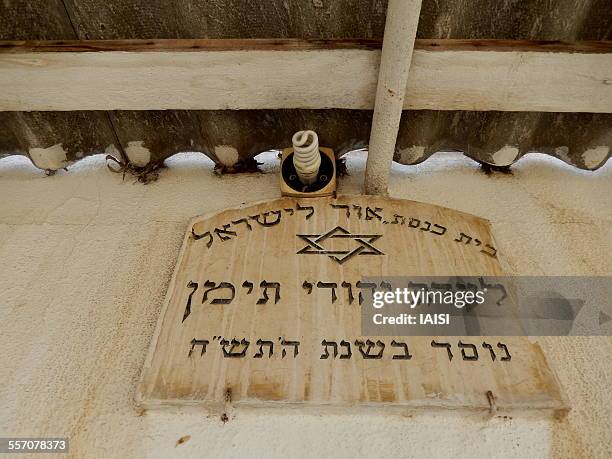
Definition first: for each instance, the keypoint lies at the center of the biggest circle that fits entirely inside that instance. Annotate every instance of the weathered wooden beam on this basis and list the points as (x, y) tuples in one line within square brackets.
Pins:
[(296, 44), (478, 75)]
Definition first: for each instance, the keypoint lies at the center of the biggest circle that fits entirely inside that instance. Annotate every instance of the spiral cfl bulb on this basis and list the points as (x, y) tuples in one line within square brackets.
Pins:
[(306, 156)]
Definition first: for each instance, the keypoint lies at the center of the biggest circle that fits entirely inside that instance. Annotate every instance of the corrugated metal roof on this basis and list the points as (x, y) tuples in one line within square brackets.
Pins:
[(500, 138)]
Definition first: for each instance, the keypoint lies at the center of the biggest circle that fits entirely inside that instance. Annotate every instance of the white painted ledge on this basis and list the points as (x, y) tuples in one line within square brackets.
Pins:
[(446, 79)]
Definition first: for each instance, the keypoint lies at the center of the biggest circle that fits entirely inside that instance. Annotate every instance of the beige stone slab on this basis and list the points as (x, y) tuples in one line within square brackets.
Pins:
[(253, 273)]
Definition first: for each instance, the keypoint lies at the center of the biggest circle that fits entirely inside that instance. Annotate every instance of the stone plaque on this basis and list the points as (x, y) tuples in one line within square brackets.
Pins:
[(264, 308)]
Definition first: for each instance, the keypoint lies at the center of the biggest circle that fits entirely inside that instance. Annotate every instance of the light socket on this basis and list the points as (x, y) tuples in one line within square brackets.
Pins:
[(326, 180)]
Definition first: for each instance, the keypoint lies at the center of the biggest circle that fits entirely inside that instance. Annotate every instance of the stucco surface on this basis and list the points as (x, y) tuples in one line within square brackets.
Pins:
[(86, 258)]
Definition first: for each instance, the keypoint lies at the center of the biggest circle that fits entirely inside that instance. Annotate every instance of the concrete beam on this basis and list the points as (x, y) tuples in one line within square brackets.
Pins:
[(398, 44)]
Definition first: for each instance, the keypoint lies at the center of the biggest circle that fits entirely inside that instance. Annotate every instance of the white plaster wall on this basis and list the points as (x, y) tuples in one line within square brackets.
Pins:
[(85, 260)]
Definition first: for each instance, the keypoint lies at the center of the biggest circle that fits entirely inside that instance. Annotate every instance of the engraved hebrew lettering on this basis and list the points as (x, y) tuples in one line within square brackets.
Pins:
[(490, 251), (438, 230), (248, 285), (434, 343), (426, 227), (365, 285), (373, 213), (326, 345), (212, 287), (194, 286), (330, 285), (224, 233), (266, 285), (245, 222), (264, 221), (490, 348), (462, 237), (474, 351), (200, 236), (370, 344), (198, 342), (294, 344), (349, 289), (505, 349), (414, 222), (308, 209), (261, 343), (343, 206), (406, 355), (307, 286), (237, 348), (347, 346)]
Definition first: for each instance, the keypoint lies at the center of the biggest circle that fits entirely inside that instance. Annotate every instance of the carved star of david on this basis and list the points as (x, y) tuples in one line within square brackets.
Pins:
[(315, 244)]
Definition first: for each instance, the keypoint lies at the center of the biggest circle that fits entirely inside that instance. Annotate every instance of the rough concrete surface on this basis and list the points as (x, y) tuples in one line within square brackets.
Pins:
[(86, 259)]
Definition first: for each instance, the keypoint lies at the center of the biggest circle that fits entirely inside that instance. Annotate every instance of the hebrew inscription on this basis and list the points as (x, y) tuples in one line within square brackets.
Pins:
[(315, 242), (266, 303)]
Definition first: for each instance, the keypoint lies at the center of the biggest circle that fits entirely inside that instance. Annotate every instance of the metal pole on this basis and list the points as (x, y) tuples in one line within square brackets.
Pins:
[(400, 30)]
